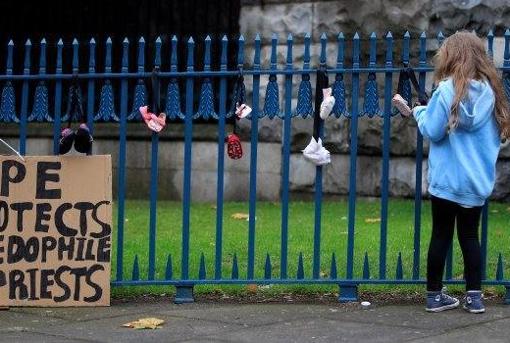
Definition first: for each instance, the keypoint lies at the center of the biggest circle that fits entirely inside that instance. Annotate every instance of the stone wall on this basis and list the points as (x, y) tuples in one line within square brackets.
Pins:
[(366, 16), (282, 17), (302, 173)]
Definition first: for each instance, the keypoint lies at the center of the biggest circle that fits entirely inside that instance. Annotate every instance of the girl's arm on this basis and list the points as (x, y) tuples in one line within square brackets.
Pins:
[(433, 119)]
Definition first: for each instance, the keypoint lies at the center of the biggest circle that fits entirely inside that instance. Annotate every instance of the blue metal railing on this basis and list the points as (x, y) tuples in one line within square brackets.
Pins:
[(50, 110)]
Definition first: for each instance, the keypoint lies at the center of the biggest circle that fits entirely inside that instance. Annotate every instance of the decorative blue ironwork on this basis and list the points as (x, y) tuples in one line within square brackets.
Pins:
[(304, 105), (206, 104), (139, 100), (173, 100), (406, 89), (40, 108), (272, 100), (304, 101), (7, 105), (338, 88), (371, 103), (338, 92), (140, 92), (173, 97), (69, 102), (238, 96), (106, 110)]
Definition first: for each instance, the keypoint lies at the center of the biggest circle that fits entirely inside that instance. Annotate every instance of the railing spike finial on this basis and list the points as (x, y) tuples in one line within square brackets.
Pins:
[(267, 267), (366, 267), (169, 268), (399, 274), (300, 271), (235, 268), (201, 270), (333, 270), (499, 268), (136, 270)]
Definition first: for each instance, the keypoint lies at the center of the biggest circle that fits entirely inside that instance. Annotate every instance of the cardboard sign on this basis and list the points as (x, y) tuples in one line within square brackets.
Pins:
[(55, 231)]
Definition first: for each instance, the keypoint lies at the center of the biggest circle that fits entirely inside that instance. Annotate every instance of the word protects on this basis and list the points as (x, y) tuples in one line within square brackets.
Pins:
[(55, 231)]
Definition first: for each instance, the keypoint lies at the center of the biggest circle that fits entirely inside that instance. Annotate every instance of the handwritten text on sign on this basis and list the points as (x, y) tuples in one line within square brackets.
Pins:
[(55, 231)]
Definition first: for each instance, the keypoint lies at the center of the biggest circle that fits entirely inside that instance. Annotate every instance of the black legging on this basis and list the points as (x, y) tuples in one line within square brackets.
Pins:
[(444, 213)]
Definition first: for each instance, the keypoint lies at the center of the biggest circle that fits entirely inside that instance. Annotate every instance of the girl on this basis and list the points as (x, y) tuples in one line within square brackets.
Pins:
[(465, 120)]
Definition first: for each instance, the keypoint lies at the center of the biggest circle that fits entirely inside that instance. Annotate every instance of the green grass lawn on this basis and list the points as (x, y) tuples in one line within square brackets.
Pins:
[(300, 231)]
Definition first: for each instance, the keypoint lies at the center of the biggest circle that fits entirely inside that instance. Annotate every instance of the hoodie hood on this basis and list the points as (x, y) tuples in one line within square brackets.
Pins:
[(477, 108)]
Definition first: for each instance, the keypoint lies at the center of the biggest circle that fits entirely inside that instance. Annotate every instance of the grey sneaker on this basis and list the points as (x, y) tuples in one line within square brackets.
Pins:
[(440, 301), (474, 303)]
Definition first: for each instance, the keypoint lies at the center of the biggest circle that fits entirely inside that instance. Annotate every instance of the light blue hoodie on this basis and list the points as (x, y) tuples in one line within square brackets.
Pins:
[(462, 163)]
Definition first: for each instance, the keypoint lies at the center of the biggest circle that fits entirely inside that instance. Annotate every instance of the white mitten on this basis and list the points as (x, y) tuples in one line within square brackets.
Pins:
[(327, 104)]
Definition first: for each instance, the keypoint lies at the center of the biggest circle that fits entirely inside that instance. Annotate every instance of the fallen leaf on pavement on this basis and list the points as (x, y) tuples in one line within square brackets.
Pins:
[(240, 215), (144, 323)]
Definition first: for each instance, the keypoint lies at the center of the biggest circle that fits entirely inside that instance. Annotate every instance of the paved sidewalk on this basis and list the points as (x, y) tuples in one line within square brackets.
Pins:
[(227, 322)]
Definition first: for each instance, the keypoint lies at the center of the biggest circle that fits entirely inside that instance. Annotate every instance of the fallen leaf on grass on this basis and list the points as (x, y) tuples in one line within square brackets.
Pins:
[(372, 220), (144, 323), (240, 215), (251, 288)]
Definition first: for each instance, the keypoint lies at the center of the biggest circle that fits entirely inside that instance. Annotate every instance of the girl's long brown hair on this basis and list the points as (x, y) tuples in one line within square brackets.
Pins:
[(463, 58)]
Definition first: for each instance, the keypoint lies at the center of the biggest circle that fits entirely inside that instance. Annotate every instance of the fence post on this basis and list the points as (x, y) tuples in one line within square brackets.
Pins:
[(349, 291), (184, 290), (319, 134), (386, 156), (24, 101), (221, 154), (122, 151), (254, 134)]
